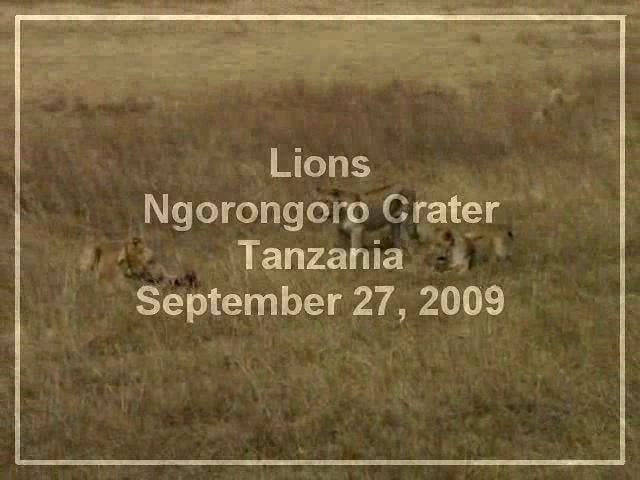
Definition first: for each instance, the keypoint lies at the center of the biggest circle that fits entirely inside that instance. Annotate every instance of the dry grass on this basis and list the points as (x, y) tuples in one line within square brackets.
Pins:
[(532, 38), (584, 28), (540, 381), (475, 37), (328, 387)]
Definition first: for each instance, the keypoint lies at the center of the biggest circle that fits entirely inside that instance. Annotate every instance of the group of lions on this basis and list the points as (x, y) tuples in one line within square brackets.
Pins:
[(441, 247), (449, 247)]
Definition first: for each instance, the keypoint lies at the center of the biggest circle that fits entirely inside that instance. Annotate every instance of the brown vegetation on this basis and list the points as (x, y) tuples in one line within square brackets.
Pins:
[(540, 381), (329, 387)]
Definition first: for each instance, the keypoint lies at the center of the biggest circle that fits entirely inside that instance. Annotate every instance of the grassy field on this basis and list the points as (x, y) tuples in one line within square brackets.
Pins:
[(111, 111)]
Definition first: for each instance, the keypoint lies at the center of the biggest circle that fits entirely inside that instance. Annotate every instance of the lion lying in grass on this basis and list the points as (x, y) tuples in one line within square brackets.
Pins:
[(461, 247), (116, 264)]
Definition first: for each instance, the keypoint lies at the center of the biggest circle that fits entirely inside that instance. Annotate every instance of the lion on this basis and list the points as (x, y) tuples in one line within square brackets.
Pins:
[(374, 199), (493, 242), (461, 246), (114, 264), (557, 103), (447, 249)]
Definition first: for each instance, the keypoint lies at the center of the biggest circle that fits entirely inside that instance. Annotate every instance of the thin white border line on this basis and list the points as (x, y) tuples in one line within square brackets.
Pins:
[(623, 383), (324, 17), (326, 462), (16, 239), (620, 461)]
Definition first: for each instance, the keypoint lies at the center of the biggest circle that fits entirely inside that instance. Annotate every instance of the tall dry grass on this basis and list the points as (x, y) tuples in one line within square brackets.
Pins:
[(199, 147), (540, 381)]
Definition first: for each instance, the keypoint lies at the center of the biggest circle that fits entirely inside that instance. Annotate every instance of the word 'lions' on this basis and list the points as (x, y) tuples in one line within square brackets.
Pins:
[(114, 264)]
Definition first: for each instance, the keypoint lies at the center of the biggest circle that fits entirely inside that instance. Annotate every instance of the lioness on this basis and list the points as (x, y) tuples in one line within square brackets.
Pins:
[(557, 102), (492, 241), (460, 246), (447, 249), (374, 199), (114, 264)]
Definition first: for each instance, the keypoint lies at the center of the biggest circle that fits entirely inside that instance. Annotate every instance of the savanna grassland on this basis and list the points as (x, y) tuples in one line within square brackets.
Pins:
[(114, 110)]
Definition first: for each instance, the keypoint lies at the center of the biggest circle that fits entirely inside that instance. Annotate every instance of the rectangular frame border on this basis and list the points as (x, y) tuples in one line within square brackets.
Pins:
[(619, 18)]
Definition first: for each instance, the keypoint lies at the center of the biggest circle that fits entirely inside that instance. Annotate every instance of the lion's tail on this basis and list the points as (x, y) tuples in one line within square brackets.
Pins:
[(89, 258)]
